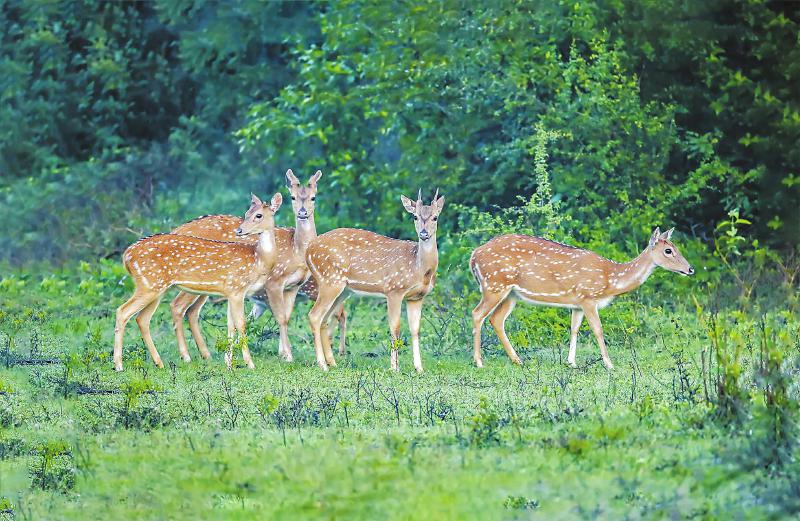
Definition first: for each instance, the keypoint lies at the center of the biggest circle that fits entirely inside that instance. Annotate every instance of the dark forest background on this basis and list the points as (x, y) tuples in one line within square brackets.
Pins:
[(120, 119)]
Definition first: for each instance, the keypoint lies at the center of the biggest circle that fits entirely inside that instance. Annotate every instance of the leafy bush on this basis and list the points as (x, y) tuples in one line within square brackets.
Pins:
[(53, 468)]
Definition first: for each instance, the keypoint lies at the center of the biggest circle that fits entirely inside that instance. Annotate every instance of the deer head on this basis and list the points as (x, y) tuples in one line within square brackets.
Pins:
[(425, 217), (303, 197), (664, 253), (260, 216)]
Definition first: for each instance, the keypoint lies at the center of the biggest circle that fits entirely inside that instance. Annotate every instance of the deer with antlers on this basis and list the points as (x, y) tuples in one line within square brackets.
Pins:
[(520, 267), (346, 261), (232, 270), (289, 274)]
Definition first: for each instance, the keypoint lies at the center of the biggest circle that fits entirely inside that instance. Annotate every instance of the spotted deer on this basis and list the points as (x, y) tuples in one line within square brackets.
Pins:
[(289, 274), (535, 270), (231, 270), (347, 261)]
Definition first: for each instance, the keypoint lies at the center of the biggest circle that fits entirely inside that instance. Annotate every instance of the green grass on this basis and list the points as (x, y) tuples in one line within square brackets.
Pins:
[(195, 441)]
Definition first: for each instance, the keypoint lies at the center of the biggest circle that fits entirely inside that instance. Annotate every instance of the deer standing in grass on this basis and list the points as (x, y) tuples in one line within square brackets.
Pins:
[(232, 270), (289, 274), (539, 271), (346, 261)]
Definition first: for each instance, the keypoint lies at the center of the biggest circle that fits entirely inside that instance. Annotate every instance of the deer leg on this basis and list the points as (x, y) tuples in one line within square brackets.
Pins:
[(231, 330), (341, 315), (325, 299), (594, 321), (278, 306), (288, 307), (498, 321), (193, 314), (143, 320), (326, 331), (178, 308), (394, 304), (414, 312), (489, 301), (139, 300), (577, 318), (236, 305)]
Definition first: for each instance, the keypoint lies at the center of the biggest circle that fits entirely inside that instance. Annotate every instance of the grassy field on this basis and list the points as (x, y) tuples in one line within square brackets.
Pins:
[(657, 437)]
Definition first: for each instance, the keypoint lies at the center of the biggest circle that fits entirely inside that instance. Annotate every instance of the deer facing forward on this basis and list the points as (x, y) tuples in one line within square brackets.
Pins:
[(229, 269), (520, 267), (346, 261)]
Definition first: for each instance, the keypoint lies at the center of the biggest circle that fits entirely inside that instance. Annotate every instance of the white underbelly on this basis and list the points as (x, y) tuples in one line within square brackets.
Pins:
[(367, 293), (255, 288), (604, 302), (532, 300), (298, 278), (197, 289)]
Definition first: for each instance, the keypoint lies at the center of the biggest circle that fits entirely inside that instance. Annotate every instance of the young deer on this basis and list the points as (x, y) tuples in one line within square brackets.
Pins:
[(511, 267), (229, 269), (284, 281), (346, 261)]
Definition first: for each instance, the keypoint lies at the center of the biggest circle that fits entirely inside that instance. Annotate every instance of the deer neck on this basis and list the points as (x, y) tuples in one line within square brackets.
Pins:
[(304, 232), (427, 255), (628, 276), (265, 251)]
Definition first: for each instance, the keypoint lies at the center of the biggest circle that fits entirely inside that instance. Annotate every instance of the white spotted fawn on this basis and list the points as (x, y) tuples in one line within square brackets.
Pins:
[(346, 261), (232, 270), (519, 267)]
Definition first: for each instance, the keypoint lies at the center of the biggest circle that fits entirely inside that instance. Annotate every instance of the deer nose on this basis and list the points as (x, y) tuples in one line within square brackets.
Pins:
[(303, 213), (691, 270), (424, 235), (238, 231)]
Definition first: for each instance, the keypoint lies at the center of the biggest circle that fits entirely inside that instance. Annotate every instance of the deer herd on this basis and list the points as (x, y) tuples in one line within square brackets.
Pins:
[(237, 258)]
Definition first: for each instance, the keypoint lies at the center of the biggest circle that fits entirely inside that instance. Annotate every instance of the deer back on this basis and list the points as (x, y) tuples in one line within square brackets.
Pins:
[(221, 228), (540, 270), (200, 265), (367, 262)]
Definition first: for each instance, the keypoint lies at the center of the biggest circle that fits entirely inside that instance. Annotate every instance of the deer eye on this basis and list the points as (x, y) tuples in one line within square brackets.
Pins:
[(435, 218), (415, 217), (292, 198), (313, 198), (259, 216), (668, 251)]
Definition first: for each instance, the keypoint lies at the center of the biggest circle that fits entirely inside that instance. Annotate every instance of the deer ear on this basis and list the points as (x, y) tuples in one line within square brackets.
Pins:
[(439, 203), (315, 178), (255, 201), (291, 180), (408, 204), (276, 201), (654, 237), (667, 234)]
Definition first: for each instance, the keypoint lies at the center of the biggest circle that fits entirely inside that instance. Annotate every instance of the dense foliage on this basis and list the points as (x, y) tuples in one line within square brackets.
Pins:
[(585, 122), (120, 119)]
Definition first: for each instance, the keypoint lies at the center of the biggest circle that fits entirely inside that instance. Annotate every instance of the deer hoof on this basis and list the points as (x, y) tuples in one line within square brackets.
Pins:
[(118, 368), (159, 364), (517, 361), (609, 365), (186, 358), (419, 369), (479, 363)]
